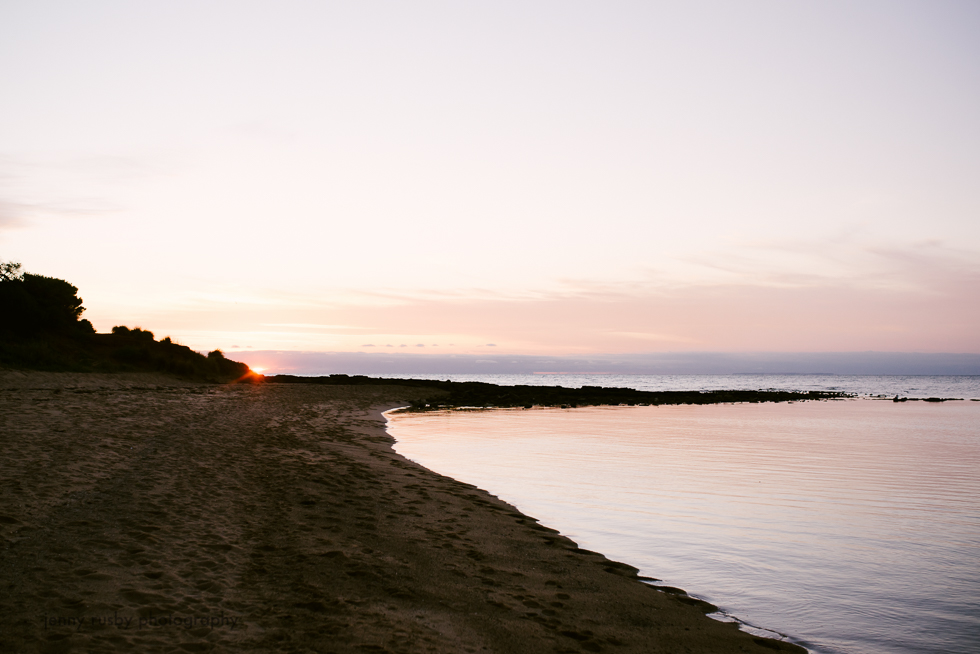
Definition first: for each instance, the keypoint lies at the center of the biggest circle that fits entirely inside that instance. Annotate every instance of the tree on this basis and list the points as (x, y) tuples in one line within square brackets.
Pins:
[(31, 304), (10, 271)]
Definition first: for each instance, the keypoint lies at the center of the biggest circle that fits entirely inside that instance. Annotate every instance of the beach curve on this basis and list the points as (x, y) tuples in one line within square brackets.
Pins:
[(151, 515)]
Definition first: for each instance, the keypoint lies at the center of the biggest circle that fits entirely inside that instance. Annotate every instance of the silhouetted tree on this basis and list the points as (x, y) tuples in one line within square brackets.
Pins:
[(58, 303), (32, 304), (10, 271)]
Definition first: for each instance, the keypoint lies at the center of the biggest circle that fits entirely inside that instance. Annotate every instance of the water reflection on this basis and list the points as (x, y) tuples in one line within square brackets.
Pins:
[(851, 525)]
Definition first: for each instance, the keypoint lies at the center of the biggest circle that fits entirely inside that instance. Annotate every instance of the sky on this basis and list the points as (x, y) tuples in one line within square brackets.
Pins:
[(530, 178)]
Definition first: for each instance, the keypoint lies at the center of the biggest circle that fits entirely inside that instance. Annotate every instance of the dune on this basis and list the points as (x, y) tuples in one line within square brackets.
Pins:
[(141, 513)]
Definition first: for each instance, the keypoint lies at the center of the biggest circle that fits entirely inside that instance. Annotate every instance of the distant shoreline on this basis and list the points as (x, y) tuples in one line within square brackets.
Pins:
[(450, 394)]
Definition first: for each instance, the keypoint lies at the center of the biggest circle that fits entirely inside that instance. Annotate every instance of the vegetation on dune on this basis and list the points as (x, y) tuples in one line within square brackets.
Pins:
[(32, 305), (480, 394), (41, 328)]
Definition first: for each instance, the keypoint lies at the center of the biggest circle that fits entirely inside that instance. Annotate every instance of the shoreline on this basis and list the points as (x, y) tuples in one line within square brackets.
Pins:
[(714, 612), (285, 506), (705, 605)]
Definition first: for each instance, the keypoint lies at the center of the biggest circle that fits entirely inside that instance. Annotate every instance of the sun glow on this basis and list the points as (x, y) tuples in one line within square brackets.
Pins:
[(258, 369)]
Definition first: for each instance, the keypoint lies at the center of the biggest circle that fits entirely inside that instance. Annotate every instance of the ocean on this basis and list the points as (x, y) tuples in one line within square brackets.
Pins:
[(844, 526)]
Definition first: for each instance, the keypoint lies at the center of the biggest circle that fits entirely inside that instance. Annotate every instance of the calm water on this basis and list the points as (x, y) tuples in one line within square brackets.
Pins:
[(849, 526)]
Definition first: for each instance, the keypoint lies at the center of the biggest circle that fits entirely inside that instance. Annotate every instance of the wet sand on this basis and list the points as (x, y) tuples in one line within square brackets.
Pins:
[(141, 513)]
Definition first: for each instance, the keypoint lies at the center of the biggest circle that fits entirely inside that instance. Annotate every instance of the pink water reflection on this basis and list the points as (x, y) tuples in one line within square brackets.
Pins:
[(851, 525)]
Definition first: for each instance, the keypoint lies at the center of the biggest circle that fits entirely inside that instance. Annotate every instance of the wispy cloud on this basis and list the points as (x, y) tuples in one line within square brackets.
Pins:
[(307, 325), (12, 214), (662, 338), (72, 186), (831, 316), (839, 260)]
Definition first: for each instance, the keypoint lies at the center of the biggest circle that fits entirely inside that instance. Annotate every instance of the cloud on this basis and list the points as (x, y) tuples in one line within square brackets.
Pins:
[(17, 214), (940, 313), (309, 325), (667, 338), (12, 214), (923, 297), (70, 187), (841, 259)]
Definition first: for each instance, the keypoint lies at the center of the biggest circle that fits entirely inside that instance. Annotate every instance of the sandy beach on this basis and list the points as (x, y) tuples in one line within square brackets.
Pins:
[(141, 513)]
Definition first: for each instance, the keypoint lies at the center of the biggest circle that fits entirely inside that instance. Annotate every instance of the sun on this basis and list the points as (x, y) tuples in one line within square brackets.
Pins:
[(258, 369)]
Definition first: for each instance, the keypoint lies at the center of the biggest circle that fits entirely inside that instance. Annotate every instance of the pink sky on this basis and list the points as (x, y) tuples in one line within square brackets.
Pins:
[(820, 316), (553, 178)]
